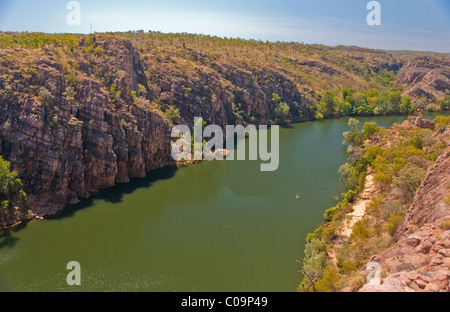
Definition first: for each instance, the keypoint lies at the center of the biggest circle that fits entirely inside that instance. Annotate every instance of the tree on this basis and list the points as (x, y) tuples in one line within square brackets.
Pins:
[(441, 121), (11, 192), (395, 98), (445, 105), (420, 104), (327, 105), (315, 262), (370, 129), (406, 106), (346, 109), (360, 233), (281, 112), (281, 109), (353, 124), (355, 137), (383, 180), (347, 93), (319, 116)]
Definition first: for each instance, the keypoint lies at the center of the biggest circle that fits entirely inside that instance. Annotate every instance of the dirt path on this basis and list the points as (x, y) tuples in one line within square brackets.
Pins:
[(359, 211), (359, 207)]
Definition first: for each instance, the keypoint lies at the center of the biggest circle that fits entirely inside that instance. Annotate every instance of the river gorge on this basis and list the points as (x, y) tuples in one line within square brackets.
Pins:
[(213, 226)]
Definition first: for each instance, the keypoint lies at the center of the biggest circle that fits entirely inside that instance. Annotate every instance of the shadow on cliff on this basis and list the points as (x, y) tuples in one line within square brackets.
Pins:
[(116, 194)]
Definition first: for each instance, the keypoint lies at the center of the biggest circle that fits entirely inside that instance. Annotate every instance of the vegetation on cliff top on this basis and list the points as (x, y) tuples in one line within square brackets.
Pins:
[(398, 158), (192, 72)]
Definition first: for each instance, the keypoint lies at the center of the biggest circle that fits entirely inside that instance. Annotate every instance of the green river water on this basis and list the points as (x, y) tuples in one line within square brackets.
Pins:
[(214, 226)]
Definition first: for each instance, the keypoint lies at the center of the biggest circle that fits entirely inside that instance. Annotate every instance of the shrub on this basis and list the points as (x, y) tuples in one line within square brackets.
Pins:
[(172, 113), (433, 108), (417, 142), (410, 179), (441, 121), (445, 225), (348, 267), (329, 281), (281, 112), (360, 233), (330, 213), (370, 129), (383, 180), (45, 96), (393, 223), (350, 196), (373, 152)]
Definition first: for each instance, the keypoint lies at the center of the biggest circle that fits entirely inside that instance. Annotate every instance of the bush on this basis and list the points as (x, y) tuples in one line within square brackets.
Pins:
[(393, 223), (45, 96), (319, 116), (383, 180), (445, 225), (373, 152), (417, 142), (360, 233), (330, 213), (409, 179), (350, 196), (433, 108), (348, 267), (441, 121), (329, 281), (172, 113), (370, 129), (281, 112)]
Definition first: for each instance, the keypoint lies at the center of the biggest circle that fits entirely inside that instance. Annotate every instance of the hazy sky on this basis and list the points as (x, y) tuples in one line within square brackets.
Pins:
[(406, 24)]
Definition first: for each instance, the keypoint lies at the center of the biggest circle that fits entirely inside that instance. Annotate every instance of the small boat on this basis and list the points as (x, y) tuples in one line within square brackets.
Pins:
[(298, 196)]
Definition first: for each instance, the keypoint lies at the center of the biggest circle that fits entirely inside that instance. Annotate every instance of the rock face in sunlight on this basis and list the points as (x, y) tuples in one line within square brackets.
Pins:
[(73, 138), (425, 76)]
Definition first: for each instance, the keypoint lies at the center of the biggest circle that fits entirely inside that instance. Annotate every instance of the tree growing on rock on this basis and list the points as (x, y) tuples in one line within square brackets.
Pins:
[(281, 110), (11, 189)]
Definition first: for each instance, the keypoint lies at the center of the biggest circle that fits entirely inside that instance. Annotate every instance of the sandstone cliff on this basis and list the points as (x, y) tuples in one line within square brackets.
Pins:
[(73, 138)]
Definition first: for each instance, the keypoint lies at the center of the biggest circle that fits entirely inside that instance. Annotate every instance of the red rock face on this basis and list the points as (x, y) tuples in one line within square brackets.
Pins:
[(420, 259), (425, 76), (422, 123)]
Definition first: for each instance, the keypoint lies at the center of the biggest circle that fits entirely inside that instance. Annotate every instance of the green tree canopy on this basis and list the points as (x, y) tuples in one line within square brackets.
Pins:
[(11, 192)]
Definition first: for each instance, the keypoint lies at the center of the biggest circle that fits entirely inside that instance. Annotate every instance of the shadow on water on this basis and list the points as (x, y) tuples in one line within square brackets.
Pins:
[(287, 126), (7, 239), (115, 195)]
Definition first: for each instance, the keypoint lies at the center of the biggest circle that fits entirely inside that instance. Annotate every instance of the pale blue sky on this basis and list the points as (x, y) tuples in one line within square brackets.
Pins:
[(406, 24)]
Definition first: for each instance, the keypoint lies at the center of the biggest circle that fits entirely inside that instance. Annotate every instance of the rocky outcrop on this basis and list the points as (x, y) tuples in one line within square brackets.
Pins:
[(419, 259), (425, 76), (421, 123)]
